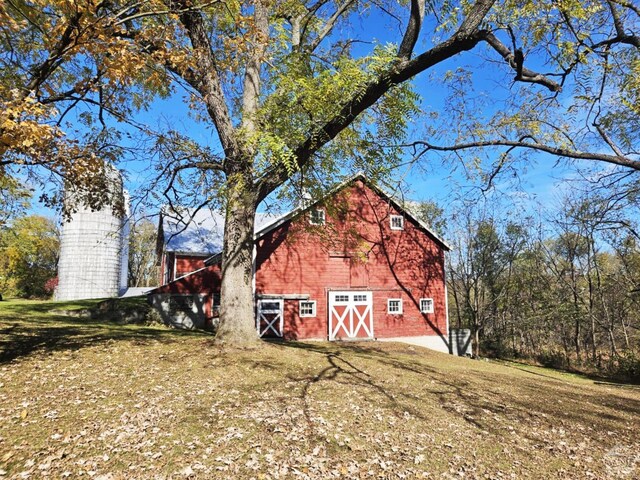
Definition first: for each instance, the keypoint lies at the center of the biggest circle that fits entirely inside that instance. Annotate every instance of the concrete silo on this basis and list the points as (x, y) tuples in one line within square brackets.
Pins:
[(94, 245)]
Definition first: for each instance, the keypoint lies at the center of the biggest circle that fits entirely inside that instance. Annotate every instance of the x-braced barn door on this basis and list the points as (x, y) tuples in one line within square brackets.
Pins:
[(350, 315), (269, 318)]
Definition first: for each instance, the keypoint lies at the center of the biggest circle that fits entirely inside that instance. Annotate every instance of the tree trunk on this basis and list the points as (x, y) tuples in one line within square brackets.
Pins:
[(612, 342), (566, 348), (454, 290), (476, 341), (576, 339), (237, 317), (626, 335)]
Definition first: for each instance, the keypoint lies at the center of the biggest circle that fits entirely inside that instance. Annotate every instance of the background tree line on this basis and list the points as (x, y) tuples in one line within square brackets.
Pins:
[(560, 287), (29, 245)]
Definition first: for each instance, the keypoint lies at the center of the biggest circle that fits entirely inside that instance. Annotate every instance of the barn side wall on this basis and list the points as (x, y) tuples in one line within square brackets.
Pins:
[(178, 265), (188, 263), (355, 250), (190, 301)]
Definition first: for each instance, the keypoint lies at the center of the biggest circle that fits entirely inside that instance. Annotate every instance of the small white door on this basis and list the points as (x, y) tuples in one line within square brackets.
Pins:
[(269, 318), (350, 315)]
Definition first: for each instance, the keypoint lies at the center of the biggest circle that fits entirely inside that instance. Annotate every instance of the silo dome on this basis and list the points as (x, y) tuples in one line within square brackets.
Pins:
[(94, 247)]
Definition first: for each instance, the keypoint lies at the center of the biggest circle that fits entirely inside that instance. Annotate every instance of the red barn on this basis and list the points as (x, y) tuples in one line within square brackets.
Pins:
[(187, 237), (355, 265)]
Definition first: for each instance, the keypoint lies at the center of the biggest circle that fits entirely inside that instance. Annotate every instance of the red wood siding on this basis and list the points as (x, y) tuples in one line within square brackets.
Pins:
[(187, 264), (356, 249), (205, 281), (178, 265)]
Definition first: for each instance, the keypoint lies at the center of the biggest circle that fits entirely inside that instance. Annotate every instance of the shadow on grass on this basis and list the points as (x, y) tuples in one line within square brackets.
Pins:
[(30, 327), (342, 370), (340, 367), (629, 382), (363, 349), (470, 394)]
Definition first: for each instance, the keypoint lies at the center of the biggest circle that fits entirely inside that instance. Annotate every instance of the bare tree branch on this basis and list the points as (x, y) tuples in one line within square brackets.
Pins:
[(621, 160), (207, 81), (251, 92), (153, 13), (45, 69), (629, 5), (330, 23), (608, 140), (413, 29), (522, 74), (311, 12)]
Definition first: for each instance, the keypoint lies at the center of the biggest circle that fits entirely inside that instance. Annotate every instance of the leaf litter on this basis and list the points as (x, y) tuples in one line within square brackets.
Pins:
[(172, 406)]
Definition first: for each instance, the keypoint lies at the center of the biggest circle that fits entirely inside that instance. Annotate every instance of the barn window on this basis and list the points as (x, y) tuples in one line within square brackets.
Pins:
[(426, 305), (269, 307), (316, 217), (359, 298), (394, 306), (397, 222), (307, 308), (342, 298)]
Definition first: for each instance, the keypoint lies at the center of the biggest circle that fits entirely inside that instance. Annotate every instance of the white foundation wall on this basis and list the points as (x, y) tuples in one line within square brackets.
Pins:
[(459, 340), (433, 342)]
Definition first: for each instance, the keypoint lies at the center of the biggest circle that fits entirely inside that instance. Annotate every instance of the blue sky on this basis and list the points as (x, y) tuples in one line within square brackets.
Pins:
[(437, 182)]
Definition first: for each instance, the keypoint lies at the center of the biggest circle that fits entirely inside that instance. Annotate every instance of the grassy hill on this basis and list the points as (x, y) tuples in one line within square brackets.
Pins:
[(106, 401)]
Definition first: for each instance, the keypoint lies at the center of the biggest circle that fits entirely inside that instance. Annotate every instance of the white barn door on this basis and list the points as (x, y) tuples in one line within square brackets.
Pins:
[(350, 315), (269, 318)]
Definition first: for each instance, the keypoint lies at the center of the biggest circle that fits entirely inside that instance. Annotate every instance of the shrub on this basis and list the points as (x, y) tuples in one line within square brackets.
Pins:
[(50, 286), (628, 366)]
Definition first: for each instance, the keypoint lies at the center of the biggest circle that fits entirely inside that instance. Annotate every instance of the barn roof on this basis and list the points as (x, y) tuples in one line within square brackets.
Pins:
[(198, 231), (359, 176), (202, 231)]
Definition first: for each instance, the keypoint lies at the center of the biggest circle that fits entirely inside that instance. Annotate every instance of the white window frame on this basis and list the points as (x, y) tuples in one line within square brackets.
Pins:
[(399, 311), (313, 308), (429, 308), (322, 217), (396, 217)]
